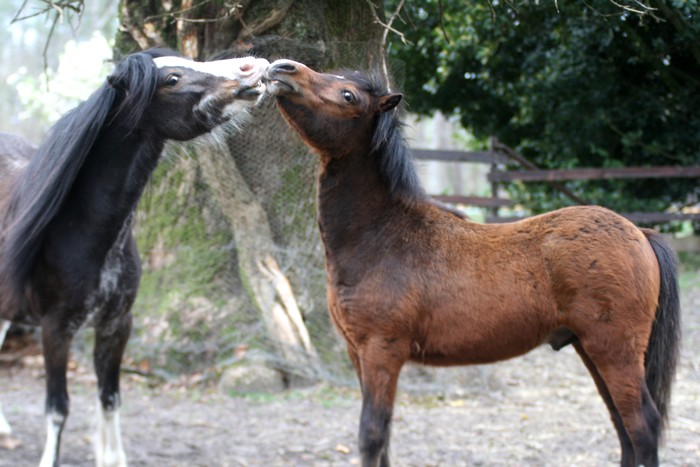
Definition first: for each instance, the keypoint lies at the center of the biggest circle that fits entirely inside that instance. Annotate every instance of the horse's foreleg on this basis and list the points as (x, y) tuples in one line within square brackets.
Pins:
[(355, 360), (625, 442), (110, 342), (56, 339), (380, 364), (5, 428)]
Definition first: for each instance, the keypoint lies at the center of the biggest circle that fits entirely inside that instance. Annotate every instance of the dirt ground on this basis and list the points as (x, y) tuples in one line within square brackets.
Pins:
[(538, 410)]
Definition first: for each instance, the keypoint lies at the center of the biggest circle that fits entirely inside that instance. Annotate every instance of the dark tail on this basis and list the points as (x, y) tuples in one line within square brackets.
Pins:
[(664, 344)]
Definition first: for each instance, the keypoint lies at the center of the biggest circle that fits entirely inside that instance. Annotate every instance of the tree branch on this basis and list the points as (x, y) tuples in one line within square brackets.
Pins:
[(681, 26), (74, 7), (387, 27), (143, 38), (274, 18)]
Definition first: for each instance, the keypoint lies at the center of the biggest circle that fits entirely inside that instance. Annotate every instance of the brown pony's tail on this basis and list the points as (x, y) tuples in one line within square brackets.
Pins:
[(663, 350)]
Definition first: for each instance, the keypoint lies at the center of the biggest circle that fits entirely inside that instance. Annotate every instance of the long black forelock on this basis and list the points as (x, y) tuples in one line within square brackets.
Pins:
[(135, 78)]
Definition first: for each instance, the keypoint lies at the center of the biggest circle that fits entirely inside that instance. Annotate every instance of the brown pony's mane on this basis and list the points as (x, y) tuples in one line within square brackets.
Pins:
[(388, 143)]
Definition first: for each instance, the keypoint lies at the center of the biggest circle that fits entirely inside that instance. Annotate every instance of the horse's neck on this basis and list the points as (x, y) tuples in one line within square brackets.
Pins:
[(353, 199), (108, 187), (118, 169)]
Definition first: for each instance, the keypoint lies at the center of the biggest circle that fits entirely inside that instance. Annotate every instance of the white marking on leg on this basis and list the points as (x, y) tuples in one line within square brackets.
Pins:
[(5, 428), (4, 327), (109, 451), (54, 426)]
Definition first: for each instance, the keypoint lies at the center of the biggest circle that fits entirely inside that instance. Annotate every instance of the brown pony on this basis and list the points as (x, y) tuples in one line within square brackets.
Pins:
[(410, 280)]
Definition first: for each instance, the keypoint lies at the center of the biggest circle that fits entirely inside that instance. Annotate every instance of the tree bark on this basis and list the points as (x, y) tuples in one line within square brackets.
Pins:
[(265, 182)]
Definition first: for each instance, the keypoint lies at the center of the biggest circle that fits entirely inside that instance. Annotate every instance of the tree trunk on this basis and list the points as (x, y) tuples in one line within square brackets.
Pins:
[(265, 182)]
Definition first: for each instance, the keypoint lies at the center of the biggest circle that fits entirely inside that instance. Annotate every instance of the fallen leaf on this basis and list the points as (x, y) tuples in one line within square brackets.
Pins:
[(9, 443), (342, 449)]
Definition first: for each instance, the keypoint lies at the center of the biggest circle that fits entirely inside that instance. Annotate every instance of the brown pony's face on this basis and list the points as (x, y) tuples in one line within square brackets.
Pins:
[(328, 111)]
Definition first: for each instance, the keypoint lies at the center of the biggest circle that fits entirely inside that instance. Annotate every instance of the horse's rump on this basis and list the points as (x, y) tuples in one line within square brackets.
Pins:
[(15, 153)]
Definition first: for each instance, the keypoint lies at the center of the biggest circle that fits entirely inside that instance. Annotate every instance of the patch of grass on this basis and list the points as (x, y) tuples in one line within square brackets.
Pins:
[(257, 397)]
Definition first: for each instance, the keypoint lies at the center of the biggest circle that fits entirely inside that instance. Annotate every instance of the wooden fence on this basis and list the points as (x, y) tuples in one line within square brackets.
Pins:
[(499, 156)]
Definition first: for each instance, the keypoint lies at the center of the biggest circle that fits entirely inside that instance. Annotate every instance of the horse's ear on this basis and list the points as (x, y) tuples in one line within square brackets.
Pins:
[(389, 101)]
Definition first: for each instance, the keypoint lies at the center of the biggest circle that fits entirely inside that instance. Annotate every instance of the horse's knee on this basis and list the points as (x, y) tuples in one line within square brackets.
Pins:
[(379, 376)]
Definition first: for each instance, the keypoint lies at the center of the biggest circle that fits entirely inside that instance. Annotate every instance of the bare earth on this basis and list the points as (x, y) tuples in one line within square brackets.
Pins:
[(538, 410)]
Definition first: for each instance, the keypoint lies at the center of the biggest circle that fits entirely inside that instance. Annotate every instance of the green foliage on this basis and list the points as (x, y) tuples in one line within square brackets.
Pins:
[(568, 84)]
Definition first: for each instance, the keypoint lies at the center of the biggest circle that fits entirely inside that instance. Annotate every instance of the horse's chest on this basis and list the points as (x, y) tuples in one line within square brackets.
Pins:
[(365, 308)]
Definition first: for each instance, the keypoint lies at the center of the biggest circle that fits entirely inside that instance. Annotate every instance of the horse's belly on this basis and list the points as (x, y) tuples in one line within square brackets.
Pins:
[(475, 341)]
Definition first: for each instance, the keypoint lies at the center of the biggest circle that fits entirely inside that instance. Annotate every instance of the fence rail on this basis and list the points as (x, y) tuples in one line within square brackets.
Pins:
[(499, 155), (594, 174)]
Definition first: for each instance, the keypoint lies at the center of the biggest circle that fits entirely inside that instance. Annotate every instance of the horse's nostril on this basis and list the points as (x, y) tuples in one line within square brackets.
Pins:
[(246, 67), (286, 67)]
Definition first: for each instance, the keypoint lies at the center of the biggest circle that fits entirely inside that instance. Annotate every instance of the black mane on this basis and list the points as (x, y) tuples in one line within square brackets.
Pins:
[(43, 186), (389, 145)]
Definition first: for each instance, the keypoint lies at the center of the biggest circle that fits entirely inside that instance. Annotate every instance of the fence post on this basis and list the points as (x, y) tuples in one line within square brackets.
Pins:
[(494, 168)]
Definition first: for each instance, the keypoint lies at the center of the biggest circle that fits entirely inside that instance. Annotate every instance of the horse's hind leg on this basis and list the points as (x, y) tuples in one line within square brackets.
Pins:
[(380, 362), (110, 342), (56, 339), (625, 442), (622, 375), (5, 428)]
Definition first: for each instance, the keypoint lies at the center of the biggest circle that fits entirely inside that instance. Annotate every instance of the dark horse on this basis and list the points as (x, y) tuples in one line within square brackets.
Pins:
[(68, 254), (410, 280)]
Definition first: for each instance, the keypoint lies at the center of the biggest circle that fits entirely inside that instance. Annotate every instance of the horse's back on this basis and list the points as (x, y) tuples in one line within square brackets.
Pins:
[(584, 237)]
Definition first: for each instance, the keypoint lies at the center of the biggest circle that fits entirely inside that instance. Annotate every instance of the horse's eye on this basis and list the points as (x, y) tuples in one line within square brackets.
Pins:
[(171, 80), (348, 96)]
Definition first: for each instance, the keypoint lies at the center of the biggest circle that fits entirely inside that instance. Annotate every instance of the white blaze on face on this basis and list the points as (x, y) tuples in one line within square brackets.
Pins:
[(54, 425), (249, 69), (109, 451)]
